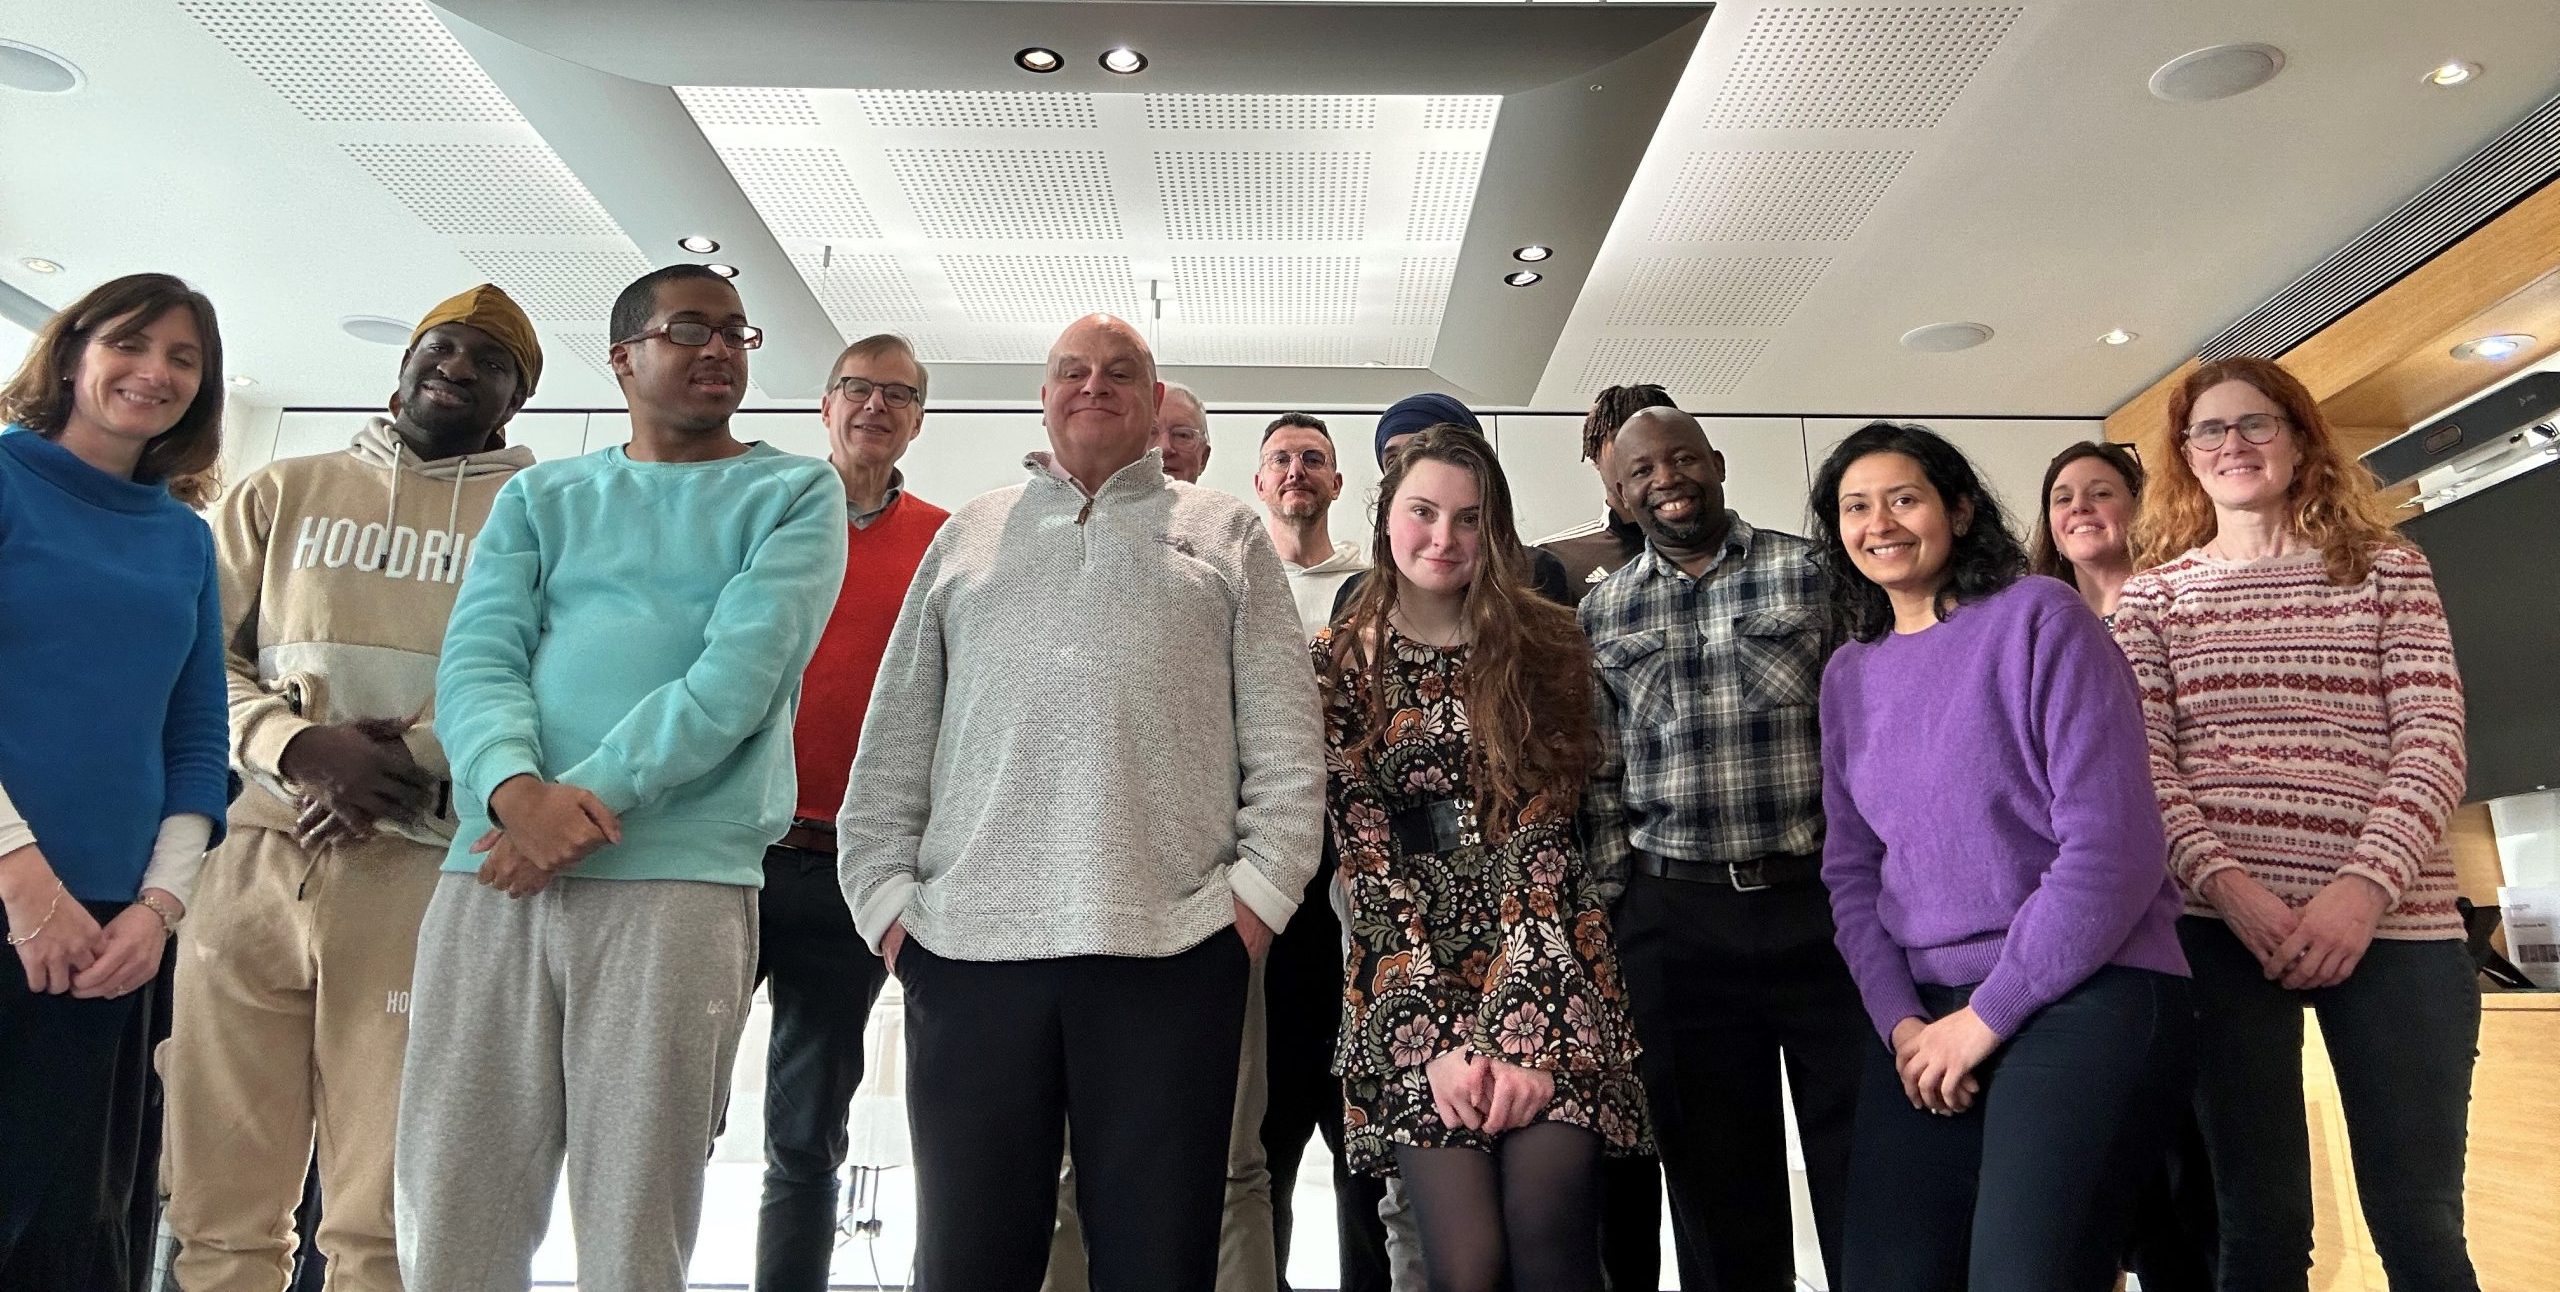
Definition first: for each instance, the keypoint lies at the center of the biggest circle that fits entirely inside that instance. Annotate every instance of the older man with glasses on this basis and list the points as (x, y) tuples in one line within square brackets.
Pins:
[(822, 980), (1182, 433)]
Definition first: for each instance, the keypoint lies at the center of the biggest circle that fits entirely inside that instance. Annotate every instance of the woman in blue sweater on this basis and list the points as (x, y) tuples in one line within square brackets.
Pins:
[(1998, 875), (112, 748)]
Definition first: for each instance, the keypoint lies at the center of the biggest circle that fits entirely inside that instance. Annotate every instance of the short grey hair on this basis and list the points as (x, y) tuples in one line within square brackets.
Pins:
[(1173, 388)]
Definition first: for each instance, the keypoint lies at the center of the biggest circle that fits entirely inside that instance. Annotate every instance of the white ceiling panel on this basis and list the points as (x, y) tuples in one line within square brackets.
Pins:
[(1261, 112), (1701, 370), (1776, 194), (1009, 194), (1259, 196), (802, 192), (748, 105), (1844, 67), (476, 189), (974, 110), (355, 60), (1716, 291), (1261, 290)]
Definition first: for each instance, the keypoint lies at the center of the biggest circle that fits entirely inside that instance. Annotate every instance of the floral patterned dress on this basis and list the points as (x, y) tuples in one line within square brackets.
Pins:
[(1499, 947)]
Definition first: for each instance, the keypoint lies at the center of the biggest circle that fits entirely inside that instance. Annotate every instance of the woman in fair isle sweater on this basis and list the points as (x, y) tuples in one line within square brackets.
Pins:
[(1994, 861), (2306, 742)]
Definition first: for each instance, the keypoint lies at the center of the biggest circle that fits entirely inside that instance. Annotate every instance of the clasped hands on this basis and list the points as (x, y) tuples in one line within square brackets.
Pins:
[(1488, 1095), (2317, 946), (1936, 1060), (545, 829)]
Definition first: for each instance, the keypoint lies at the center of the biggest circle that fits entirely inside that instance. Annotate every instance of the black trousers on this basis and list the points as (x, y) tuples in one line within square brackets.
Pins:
[(1631, 1223), (823, 982), (1728, 987), (1138, 1055), (2403, 1032), (1302, 983), (75, 1112), (2029, 1190)]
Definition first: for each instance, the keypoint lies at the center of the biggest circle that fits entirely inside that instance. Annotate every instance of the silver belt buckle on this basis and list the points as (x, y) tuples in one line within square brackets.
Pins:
[(1736, 870)]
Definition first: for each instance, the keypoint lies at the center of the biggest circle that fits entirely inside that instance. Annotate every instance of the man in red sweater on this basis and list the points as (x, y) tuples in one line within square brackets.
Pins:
[(823, 978)]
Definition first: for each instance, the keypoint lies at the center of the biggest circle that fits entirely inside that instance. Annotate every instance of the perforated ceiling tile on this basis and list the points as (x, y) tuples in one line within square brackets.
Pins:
[(1444, 194), (975, 110), (1407, 351), (1422, 289), (1009, 194), (802, 192), (1716, 292), (1050, 290), (574, 287), (1709, 366), (1299, 349), (593, 349), (748, 105), (1261, 112), (1460, 111), (355, 60), (1266, 289), (994, 345), (503, 189), (1775, 195), (1264, 196), (1880, 68), (861, 294)]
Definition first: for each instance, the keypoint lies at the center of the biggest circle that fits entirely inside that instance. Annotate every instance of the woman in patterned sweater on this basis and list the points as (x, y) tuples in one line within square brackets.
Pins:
[(2306, 730), (1485, 1049)]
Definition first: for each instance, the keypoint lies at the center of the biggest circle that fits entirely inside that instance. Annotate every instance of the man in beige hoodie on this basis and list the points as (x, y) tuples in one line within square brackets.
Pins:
[(338, 573)]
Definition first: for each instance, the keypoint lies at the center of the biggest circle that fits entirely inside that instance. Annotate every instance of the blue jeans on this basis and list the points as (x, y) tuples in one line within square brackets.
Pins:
[(2402, 1032), (2030, 1189)]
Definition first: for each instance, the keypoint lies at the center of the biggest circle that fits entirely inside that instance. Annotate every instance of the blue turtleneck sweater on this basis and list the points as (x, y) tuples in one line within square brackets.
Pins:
[(111, 686)]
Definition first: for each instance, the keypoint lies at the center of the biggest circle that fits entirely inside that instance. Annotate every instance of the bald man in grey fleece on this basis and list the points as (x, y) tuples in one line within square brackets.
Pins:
[(1070, 838)]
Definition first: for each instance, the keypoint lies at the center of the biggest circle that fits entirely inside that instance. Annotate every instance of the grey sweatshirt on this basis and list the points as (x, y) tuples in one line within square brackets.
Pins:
[(1095, 728)]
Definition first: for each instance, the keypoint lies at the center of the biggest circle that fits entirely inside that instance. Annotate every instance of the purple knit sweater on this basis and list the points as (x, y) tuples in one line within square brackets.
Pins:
[(1991, 815)]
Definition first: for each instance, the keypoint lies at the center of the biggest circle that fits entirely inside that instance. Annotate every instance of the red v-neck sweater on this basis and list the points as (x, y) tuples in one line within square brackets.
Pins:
[(880, 561)]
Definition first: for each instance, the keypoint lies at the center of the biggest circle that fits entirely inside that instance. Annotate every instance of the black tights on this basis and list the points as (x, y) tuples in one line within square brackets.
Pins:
[(1532, 1205)]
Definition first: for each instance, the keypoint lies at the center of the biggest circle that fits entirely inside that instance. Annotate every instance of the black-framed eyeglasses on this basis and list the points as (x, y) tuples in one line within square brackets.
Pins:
[(2256, 428), (1311, 459), (857, 390), (741, 336)]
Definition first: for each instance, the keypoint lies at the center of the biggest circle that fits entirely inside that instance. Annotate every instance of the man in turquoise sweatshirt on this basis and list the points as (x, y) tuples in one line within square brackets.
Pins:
[(615, 698)]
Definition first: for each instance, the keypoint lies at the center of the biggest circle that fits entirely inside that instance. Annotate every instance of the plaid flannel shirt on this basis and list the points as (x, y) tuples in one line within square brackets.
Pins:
[(1711, 744)]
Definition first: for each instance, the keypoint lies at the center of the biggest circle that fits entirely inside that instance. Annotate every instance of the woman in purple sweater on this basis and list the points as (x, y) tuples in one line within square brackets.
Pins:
[(1997, 871)]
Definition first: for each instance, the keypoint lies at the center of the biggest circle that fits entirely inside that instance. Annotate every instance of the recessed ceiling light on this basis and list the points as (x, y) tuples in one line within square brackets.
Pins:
[(2453, 73), (1036, 59), (1533, 253), (2216, 73), (698, 244), (2120, 337), (37, 71), (40, 265), (1940, 338), (2491, 349), (725, 271), (375, 328), (1522, 277), (239, 380), (1123, 60)]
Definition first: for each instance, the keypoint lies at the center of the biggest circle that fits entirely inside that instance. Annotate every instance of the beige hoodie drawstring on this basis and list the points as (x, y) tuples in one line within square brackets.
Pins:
[(453, 515)]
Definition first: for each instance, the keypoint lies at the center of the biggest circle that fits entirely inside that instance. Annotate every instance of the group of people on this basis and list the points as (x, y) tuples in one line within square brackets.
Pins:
[(1533, 880)]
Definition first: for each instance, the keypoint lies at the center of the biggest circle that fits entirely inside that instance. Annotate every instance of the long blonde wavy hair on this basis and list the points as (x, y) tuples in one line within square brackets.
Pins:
[(2332, 503)]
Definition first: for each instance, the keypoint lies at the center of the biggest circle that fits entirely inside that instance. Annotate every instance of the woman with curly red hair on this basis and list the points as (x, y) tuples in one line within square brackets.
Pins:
[(2306, 730)]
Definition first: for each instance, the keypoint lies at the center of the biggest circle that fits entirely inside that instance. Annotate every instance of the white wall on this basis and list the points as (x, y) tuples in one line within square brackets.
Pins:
[(1768, 460)]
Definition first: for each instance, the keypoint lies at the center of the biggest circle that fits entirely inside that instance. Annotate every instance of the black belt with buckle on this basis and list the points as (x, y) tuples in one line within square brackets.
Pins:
[(1777, 870), (810, 835)]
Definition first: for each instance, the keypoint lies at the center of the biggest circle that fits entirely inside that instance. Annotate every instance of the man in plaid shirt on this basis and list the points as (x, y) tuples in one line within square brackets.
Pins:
[(1704, 826)]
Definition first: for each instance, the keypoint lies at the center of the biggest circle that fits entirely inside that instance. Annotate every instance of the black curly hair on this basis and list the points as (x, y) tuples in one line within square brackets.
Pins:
[(1987, 556)]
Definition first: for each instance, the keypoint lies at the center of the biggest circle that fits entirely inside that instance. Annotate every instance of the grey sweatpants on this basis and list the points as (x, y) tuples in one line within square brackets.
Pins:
[(594, 1021)]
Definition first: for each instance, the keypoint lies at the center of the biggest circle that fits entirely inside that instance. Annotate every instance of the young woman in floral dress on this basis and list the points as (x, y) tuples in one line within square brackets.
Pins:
[(1485, 1051)]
